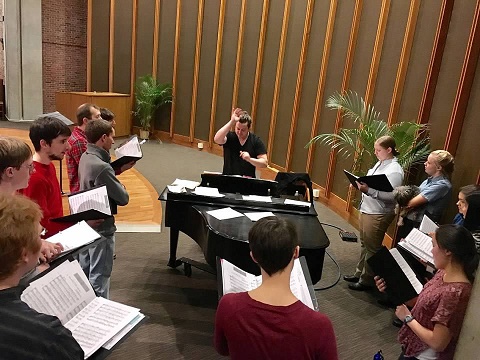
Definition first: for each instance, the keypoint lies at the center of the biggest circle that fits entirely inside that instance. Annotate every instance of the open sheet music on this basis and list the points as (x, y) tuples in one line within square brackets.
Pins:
[(402, 282), (91, 204), (126, 152), (232, 279), (419, 245), (75, 236), (427, 225), (66, 293)]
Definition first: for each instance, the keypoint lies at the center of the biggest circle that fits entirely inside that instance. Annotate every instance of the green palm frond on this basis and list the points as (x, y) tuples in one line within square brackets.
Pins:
[(412, 139), (149, 96)]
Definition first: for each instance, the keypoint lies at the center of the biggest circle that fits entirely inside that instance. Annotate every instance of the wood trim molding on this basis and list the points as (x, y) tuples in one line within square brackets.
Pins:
[(156, 27), (321, 80), (357, 13), (111, 45), (175, 66), (134, 47), (238, 61), (216, 76), (89, 44), (278, 77), (258, 68), (435, 61), (277, 167), (299, 83), (196, 69), (404, 60), (465, 85), (377, 50)]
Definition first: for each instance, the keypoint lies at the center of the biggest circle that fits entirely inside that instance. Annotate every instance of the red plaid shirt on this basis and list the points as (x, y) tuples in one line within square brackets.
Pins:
[(78, 143)]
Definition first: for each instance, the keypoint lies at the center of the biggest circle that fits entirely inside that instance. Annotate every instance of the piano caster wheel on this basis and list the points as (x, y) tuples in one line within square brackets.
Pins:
[(187, 268)]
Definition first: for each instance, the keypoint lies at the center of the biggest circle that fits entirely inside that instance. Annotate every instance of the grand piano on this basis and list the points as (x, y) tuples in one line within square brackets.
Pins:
[(228, 239)]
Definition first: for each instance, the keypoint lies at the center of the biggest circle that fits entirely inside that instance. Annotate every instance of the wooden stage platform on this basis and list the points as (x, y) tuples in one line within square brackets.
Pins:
[(143, 212)]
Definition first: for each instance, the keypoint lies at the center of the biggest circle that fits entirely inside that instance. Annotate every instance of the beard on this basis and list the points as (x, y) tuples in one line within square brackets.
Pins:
[(55, 157)]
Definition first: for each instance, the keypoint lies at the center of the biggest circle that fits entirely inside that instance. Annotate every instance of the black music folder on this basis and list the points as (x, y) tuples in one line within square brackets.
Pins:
[(232, 279), (402, 285), (378, 182), (91, 214)]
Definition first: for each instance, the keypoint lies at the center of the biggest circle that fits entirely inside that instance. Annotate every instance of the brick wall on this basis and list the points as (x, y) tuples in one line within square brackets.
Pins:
[(64, 44)]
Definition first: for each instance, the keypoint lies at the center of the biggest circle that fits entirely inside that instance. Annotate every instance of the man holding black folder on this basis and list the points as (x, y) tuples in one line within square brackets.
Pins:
[(377, 210), (285, 328), (94, 169)]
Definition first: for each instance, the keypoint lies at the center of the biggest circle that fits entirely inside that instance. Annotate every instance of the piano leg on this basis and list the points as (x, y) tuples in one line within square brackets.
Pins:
[(172, 261)]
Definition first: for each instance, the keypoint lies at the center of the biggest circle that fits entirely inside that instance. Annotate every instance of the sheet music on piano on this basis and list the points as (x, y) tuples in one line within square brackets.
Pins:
[(418, 244)]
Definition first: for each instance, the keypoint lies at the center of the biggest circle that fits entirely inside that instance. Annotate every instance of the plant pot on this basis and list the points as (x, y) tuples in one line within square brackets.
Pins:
[(144, 134)]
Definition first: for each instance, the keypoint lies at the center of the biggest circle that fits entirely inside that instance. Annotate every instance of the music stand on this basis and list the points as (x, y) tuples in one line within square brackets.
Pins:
[(68, 122)]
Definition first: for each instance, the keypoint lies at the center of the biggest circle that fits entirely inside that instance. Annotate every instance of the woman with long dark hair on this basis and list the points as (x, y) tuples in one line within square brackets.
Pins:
[(432, 327)]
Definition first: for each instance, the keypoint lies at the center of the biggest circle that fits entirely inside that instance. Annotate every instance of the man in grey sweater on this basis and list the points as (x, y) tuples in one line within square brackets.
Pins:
[(94, 169)]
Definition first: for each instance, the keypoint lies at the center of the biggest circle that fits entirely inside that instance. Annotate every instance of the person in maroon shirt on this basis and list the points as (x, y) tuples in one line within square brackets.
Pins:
[(78, 142), (270, 322), (432, 328)]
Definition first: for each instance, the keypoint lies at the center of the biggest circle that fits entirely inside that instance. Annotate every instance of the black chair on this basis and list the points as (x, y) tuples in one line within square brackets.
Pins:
[(290, 184)]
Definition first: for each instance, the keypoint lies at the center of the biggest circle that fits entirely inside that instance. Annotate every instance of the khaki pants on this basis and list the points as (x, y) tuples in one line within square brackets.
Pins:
[(372, 231)]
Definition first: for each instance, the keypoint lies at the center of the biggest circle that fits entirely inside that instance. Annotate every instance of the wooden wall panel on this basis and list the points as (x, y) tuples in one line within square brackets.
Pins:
[(392, 47), (419, 59), (207, 69), (249, 54), (267, 79), (166, 49), (341, 35), (185, 68), (450, 70), (227, 68), (288, 81), (145, 26), (100, 45), (122, 46), (309, 88)]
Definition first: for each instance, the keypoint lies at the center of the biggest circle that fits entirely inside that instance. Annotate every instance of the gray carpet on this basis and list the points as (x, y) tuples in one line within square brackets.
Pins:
[(181, 310)]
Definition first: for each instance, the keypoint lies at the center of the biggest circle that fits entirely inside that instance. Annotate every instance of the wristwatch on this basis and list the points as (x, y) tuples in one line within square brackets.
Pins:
[(408, 318)]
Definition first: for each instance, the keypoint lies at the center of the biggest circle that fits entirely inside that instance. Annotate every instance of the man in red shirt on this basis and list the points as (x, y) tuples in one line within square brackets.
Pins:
[(49, 138), (269, 322), (78, 142)]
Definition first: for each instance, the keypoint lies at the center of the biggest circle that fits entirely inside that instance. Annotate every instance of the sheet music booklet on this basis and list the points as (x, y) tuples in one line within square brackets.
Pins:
[(126, 152), (75, 237), (66, 293), (91, 204), (402, 282), (232, 279), (378, 182), (419, 245)]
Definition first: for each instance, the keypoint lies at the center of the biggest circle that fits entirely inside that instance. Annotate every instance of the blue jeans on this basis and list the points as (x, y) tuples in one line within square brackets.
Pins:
[(97, 264)]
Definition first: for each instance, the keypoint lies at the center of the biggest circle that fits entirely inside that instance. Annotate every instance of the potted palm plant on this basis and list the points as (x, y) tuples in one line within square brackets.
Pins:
[(149, 96), (411, 138)]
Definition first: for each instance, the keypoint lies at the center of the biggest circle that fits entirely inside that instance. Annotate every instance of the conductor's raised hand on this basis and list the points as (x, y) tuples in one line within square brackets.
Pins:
[(236, 114), (380, 283)]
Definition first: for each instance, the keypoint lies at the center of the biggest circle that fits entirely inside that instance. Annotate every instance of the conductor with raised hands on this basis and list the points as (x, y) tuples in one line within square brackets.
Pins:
[(243, 151)]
